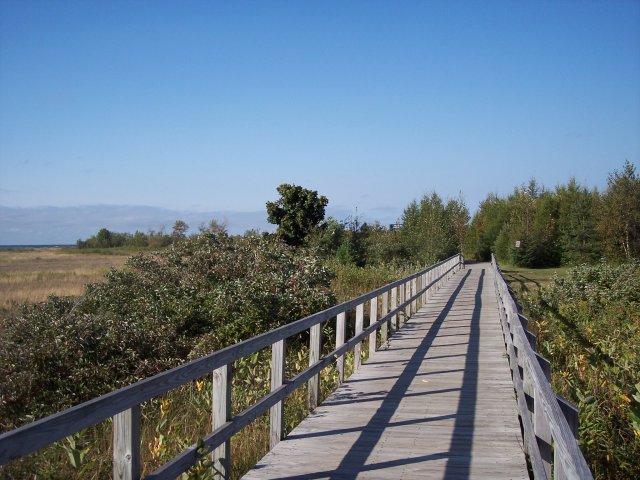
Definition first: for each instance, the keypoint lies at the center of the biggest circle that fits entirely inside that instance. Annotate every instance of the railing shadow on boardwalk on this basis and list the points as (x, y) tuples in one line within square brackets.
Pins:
[(459, 463), (459, 454)]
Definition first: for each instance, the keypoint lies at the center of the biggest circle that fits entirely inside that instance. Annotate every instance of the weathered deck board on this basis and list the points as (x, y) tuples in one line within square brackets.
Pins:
[(437, 403)]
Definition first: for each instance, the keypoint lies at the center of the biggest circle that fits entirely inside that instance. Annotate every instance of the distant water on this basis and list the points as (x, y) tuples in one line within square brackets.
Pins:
[(6, 247)]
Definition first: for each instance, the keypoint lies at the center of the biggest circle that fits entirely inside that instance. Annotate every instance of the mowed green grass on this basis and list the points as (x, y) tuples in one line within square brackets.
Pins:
[(531, 280)]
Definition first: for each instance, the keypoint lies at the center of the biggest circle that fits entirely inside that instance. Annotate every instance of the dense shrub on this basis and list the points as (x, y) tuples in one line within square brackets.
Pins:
[(198, 295), (588, 324)]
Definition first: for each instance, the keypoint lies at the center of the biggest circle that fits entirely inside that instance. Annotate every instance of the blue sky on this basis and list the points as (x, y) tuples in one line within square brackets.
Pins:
[(208, 106)]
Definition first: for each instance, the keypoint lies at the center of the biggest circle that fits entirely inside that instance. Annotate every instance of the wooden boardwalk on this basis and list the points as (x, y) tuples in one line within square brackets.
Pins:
[(438, 402)]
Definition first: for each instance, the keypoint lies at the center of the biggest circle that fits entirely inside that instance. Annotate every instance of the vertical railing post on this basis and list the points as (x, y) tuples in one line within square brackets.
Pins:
[(413, 293), (358, 348), (276, 413), (340, 327), (541, 426), (373, 318), (570, 412), (126, 444), (315, 347), (221, 414), (394, 305), (403, 320), (384, 329)]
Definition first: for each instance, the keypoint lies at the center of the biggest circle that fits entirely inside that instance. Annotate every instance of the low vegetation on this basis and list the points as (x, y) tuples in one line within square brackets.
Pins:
[(201, 294), (588, 324)]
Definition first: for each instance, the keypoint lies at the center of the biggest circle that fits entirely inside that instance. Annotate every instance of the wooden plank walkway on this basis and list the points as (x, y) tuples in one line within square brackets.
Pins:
[(437, 403)]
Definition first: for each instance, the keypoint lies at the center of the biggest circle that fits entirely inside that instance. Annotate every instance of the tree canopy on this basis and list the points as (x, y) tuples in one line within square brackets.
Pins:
[(297, 212)]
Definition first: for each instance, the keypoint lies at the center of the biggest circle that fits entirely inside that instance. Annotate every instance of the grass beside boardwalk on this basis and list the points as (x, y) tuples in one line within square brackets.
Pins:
[(31, 275), (587, 323), (531, 280)]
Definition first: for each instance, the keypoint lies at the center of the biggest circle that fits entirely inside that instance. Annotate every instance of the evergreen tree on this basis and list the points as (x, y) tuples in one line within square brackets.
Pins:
[(619, 219)]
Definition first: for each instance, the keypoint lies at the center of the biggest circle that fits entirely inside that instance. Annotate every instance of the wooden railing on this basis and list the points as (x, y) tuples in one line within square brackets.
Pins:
[(549, 422), (399, 300)]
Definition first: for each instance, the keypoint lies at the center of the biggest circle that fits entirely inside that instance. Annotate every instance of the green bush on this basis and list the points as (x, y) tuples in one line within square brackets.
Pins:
[(199, 295), (588, 325)]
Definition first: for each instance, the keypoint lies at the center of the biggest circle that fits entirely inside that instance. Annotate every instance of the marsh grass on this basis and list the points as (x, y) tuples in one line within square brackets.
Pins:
[(32, 275)]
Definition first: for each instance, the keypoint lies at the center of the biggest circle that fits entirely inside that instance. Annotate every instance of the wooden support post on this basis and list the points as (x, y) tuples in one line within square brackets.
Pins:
[(403, 320), (358, 348), (315, 347), (221, 414), (545, 365), (276, 413), (540, 422), (570, 412), (373, 318), (384, 329), (394, 305), (340, 327), (531, 338), (126, 444), (414, 291)]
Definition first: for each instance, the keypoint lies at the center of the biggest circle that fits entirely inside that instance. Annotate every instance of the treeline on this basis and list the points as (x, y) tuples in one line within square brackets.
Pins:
[(154, 239), (431, 230), (536, 227)]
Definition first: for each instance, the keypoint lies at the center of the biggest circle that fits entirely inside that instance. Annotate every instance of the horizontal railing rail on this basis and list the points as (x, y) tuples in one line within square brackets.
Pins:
[(549, 422), (123, 405)]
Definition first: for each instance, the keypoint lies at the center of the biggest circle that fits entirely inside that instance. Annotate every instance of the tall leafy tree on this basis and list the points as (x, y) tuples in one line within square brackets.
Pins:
[(180, 229), (486, 226), (619, 222), (430, 230), (297, 212)]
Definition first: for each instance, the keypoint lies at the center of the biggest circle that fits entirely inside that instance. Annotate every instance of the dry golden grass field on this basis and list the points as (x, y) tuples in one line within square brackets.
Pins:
[(31, 275)]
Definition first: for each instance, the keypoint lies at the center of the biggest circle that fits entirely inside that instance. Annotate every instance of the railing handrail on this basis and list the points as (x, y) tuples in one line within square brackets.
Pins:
[(43, 432), (572, 463)]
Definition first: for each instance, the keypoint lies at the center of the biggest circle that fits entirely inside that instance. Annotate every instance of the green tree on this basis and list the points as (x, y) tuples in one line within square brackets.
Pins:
[(429, 228), (485, 227), (179, 230), (297, 213), (103, 238), (619, 222), (457, 214), (578, 236), (328, 237)]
